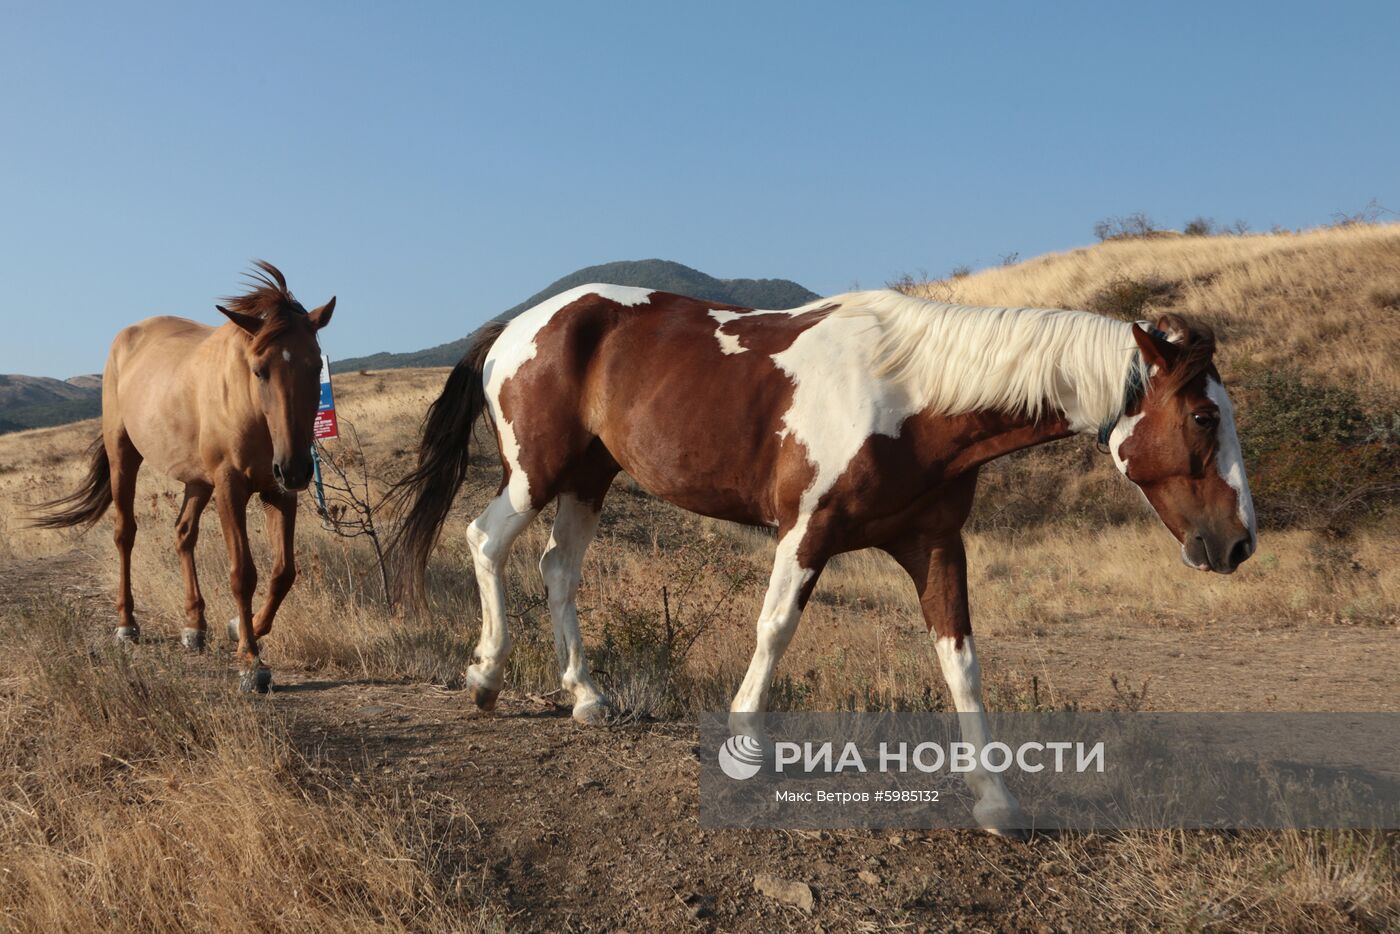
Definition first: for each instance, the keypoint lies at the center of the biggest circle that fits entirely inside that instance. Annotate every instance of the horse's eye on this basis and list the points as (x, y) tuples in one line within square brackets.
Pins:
[(260, 372), (1206, 419)]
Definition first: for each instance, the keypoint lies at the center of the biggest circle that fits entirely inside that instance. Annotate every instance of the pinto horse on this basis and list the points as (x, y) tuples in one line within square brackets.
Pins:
[(858, 421), (226, 411)]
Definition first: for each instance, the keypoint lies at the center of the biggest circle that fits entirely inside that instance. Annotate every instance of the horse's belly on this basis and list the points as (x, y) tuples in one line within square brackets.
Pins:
[(722, 474)]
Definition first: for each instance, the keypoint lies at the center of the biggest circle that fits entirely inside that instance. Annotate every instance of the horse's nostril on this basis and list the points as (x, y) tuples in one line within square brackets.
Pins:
[(1239, 553)]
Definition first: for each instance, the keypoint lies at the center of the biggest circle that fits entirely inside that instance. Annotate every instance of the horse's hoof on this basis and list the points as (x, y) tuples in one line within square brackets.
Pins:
[(483, 693), (1006, 821), (233, 630), (255, 680), (192, 639), (485, 697), (593, 711), (127, 635)]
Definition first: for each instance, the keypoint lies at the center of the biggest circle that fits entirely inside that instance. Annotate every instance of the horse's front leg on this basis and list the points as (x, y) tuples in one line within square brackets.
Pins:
[(939, 569), (796, 568), (231, 499), (281, 510)]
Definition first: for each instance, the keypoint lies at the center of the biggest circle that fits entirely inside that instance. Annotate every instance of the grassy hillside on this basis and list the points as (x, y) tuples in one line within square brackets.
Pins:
[(39, 401), (659, 274)]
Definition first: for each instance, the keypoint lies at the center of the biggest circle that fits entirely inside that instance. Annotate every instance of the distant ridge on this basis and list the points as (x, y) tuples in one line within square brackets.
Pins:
[(661, 274), (40, 401)]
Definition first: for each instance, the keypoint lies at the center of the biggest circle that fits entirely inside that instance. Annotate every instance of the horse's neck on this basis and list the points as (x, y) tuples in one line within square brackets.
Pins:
[(232, 384), (997, 435)]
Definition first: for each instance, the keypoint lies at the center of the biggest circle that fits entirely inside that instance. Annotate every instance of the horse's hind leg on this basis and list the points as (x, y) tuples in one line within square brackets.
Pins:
[(561, 568), (125, 463), (490, 538), (186, 537)]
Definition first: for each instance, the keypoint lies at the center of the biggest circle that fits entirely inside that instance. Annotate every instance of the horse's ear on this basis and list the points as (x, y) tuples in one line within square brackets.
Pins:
[(322, 316), (1175, 327), (1158, 352), (249, 323)]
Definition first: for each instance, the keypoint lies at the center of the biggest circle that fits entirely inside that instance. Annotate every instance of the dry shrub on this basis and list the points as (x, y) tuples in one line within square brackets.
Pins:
[(1315, 455), (1252, 881), (1386, 298), (1128, 299), (1135, 225), (144, 795), (642, 651)]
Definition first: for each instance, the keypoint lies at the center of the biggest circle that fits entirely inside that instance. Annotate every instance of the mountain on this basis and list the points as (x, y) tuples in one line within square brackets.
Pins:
[(664, 275), (39, 401)]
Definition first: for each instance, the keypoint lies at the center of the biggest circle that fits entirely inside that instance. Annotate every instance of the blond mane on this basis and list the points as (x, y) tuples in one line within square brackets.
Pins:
[(1026, 361)]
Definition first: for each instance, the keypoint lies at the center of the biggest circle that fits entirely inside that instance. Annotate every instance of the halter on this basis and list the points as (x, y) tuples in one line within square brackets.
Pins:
[(1132, 391)]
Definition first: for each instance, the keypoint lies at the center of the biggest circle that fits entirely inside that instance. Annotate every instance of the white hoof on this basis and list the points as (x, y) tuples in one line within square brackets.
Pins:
[(192, 639), (484, 690), (233, 630), (255, 680), (127, 635), (1002, 818), (593, 711)]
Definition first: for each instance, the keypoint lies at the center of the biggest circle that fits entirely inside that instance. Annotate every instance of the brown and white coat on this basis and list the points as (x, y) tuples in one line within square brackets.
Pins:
[(853, 422)]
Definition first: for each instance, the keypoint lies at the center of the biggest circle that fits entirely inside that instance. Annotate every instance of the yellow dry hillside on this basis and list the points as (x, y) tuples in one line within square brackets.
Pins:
[(1326, 300)]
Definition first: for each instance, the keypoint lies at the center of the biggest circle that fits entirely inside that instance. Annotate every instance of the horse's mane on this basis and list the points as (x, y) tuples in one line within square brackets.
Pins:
[(955, 359), (268, 299), (1197, 343)]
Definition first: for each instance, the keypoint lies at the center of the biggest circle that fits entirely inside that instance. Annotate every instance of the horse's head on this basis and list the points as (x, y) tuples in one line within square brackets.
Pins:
[(1178, 443), (283, 360)]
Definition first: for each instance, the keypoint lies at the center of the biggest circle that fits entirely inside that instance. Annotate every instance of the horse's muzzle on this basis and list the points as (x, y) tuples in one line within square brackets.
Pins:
[(1206, 552), (292, 477)]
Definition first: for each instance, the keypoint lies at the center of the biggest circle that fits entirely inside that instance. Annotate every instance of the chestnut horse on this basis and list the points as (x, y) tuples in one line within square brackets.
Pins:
[(858, 421), (226, 411)]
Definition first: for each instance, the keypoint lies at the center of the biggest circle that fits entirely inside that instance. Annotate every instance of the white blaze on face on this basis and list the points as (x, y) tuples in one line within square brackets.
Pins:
[(1119, 436), (1229, 459)]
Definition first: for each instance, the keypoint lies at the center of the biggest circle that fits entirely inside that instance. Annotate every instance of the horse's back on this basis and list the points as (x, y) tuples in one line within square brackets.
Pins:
[(148, 391), (158, 335)]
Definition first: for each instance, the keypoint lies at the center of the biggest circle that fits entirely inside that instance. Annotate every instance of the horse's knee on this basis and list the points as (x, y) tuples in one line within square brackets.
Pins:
[(284, 576), (243, 578), (124, 531)]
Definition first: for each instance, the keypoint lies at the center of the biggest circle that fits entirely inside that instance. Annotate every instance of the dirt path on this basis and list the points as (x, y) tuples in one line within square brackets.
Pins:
[(598, 828), (573, 828)]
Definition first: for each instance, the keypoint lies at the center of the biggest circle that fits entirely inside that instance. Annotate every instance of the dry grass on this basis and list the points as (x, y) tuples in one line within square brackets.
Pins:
[(141, 793), (1256, 881), (113, 765)]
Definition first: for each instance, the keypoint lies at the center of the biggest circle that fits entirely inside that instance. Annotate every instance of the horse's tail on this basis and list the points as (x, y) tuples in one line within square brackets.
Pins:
[(84, 506), (425, 495)]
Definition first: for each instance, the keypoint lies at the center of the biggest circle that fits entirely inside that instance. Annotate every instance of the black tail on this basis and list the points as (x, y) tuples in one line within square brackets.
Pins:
[(429, 489), (88, 503)]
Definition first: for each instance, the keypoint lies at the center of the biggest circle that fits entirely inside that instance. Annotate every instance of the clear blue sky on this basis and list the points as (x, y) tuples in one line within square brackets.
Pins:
[(433, 164)]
